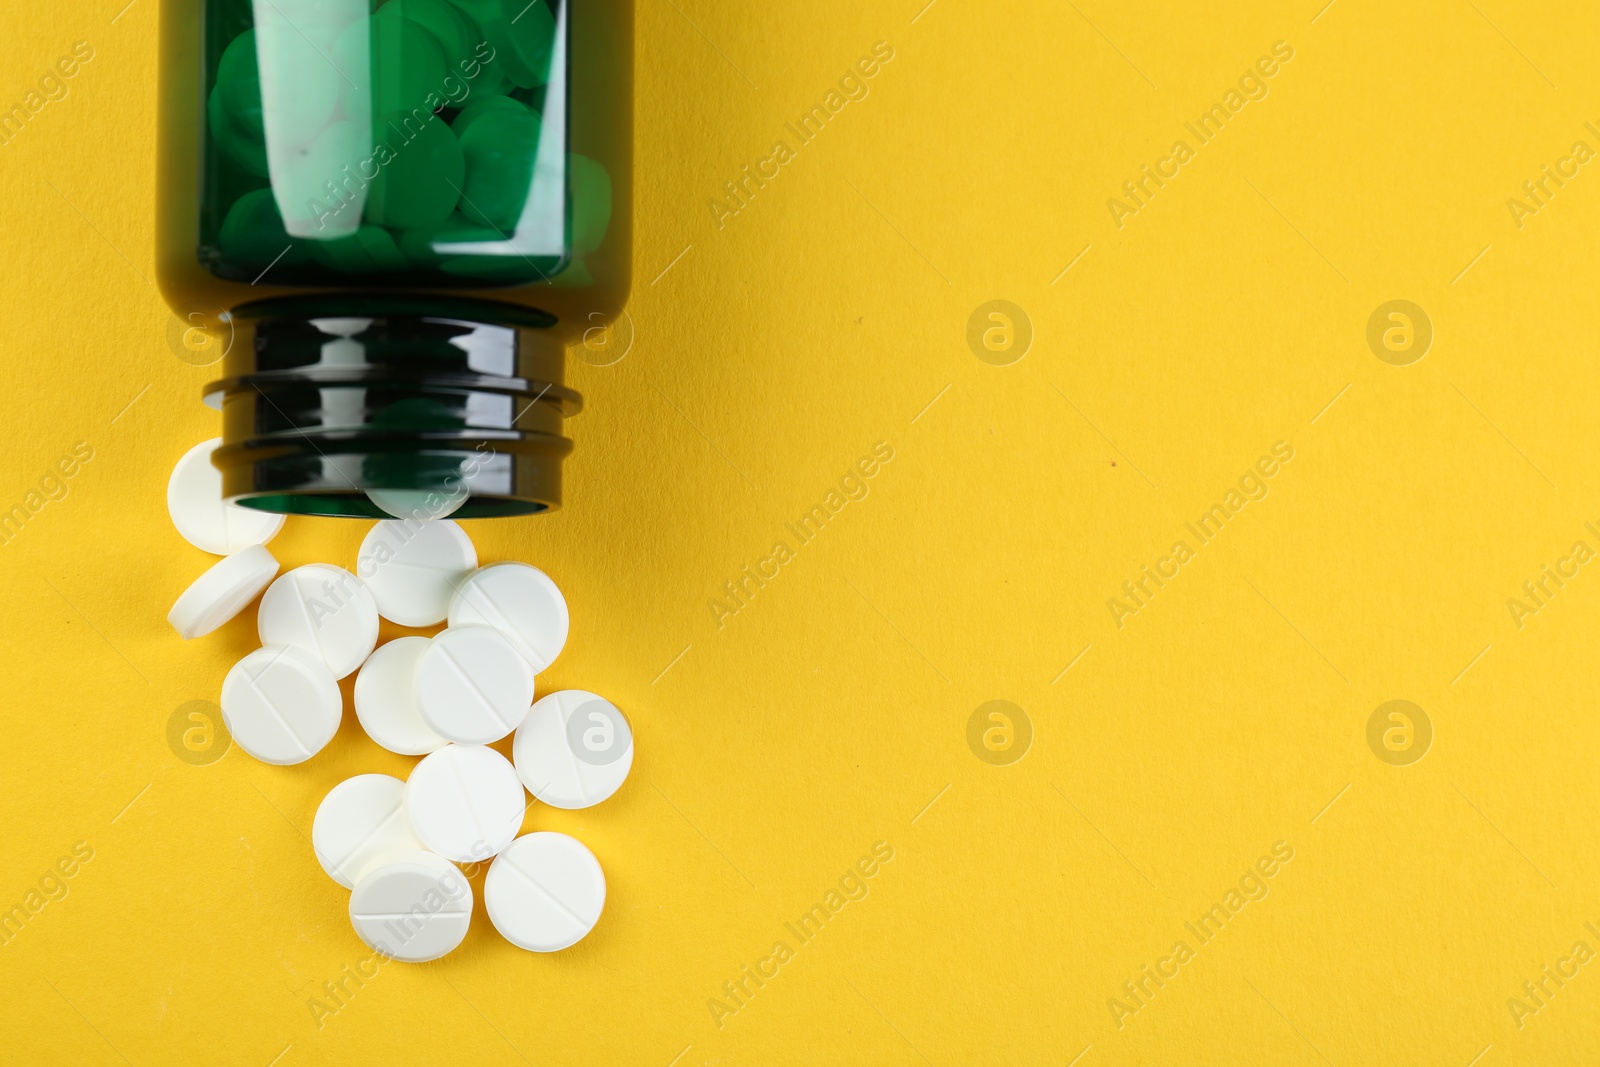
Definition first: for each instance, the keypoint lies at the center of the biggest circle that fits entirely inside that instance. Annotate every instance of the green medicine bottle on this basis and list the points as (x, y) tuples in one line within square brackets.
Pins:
[(394, 215)]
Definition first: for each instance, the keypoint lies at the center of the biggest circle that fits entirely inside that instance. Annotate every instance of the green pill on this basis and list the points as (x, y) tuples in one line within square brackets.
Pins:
[(439, 17), (253, 233), (405, 65), (591, 203), (485, 75), (380, 247), (500, 144), (532, 37), (492, 80), (483, 105), (421, 171), (368, 249), (239, 85), (239, 148), (486, 18), (522, 35), (233, 108), (417, 245)]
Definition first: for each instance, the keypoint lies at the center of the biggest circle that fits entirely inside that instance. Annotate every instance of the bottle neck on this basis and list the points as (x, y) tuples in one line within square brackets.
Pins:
[(376, 407)]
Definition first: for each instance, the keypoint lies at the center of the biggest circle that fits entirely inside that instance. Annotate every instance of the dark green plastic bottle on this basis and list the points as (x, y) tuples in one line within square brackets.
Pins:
[(395, 215)]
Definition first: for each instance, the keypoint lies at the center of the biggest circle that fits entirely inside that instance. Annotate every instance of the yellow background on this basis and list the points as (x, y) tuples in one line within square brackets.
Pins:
[(825, 316)]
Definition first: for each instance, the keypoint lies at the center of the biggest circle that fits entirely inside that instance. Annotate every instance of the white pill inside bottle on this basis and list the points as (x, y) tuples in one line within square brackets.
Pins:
[(418, 505)]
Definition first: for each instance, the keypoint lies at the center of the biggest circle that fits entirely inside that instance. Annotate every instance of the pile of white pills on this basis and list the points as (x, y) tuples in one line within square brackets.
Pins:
[(394, 844)]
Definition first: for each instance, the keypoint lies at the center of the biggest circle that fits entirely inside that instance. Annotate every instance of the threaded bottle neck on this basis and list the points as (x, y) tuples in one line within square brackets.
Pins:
[(331, 405)]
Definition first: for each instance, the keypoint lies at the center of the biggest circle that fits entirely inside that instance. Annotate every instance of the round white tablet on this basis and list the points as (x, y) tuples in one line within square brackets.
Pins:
[(413, 907), (545, 892), (222, 591), (465, 802), (360, 824), (472, 686), (281, 705), (413, 568), (521, 602), (421, 504), (386, 704), (206, 521), (324, 610), (574, 749)]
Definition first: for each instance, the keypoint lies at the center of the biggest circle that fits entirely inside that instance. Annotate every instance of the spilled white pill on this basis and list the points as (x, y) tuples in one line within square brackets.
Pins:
[(322, 610), (359, 824), (574, 749), (206, 521), (521, 602), (465, 802), (386, 703), (413, 907), (472, 686), (413, 568), (224, 590), (545, 892), (281, 705)]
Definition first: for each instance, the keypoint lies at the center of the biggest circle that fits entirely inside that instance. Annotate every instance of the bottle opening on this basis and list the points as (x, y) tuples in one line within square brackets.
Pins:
[(436, 411), (347, 505)]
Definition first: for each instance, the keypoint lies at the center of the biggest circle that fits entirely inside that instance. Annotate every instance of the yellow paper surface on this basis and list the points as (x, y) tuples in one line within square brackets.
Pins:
[(1174, 742)]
